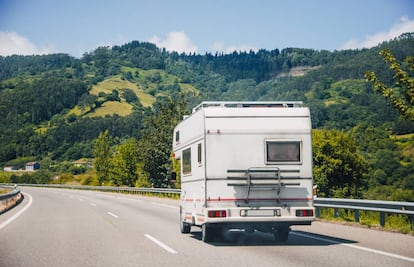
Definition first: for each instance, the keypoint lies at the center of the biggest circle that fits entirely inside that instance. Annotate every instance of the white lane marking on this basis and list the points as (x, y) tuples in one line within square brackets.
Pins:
[(93, 204), (132, 199), (81, 200), (164, 205), (356, 247), (113, 215), (152, 202), (159, 243), (18, 213)]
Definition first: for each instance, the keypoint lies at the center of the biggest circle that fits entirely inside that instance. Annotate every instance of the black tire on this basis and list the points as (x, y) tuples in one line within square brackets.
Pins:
[(185, 228), (206, 233), (282, 235)]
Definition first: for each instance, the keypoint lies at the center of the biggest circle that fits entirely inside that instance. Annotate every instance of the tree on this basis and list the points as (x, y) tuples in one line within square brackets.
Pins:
[(401, 96), (124, 169), (339, 169), (155, 145), (102, 154)]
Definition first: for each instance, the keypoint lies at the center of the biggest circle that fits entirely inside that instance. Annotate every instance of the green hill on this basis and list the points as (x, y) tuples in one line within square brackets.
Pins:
[(145, 84), (53, 107)]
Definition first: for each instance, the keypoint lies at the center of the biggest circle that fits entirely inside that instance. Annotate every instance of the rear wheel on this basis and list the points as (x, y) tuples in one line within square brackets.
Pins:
[(185, 228), (282, 235), (211, 233), (206, 233)]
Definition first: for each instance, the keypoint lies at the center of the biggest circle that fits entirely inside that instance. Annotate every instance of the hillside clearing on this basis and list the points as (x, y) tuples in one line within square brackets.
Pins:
[(110, 108)]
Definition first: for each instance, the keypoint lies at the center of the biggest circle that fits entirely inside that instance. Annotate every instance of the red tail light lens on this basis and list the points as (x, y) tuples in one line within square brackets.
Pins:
[(217, 213), (304, 213)]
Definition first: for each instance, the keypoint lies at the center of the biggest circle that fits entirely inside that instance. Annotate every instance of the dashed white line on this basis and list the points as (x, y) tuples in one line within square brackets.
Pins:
[(356, 247), (159, 243), (18, 213), (164, 205), (93, 204), (131, 199), (113, 215)]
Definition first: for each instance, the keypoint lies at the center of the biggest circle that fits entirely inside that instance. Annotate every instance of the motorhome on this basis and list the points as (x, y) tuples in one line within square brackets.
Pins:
[(245, 166)]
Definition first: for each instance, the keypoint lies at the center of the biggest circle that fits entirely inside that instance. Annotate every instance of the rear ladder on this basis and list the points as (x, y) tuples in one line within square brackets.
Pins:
[(256, 179)]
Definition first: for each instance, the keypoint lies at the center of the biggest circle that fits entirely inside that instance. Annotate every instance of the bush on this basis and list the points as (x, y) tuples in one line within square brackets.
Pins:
[(89, 180), (5, 178)]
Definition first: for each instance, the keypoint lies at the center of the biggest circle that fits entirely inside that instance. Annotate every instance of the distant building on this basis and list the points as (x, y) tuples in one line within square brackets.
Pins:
[(79, 163), (32, 166), (8, 168), (82, 163)]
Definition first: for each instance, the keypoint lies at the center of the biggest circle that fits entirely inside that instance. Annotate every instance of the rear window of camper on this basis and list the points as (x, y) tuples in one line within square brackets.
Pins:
[(282, 151)]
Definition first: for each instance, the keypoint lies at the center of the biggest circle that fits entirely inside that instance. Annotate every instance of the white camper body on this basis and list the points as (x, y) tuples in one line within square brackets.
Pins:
[(245, 165)]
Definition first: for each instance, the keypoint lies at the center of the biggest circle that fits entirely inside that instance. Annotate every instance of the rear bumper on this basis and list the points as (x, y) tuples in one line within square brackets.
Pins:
[(258, 216)]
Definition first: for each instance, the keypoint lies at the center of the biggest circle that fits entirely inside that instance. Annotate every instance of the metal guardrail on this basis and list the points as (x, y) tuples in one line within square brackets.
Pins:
[(9, 199), (115, 189), (383, 207), (15, 191)]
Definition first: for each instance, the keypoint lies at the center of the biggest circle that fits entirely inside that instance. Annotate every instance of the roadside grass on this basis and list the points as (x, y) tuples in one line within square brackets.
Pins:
[(393, 222), (3, 191)]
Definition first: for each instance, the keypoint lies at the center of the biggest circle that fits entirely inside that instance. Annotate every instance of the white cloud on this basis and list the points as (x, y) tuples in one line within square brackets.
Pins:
[(222, 48), (405, 25), (175, 41), (12, 43)]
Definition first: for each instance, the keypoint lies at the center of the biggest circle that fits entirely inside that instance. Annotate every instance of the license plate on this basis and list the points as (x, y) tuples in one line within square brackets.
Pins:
[(260, 213)]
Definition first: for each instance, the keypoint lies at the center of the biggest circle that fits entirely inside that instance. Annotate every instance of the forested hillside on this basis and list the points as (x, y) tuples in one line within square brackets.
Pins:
[(55, 109)]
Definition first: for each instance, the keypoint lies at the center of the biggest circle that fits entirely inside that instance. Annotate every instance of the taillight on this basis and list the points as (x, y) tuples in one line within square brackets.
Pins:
[(217, 213), (304, 213)]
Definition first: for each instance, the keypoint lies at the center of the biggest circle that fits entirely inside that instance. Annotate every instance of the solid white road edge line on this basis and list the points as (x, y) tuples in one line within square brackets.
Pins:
[(14, 217), (159, 243), (113, 215), (356, 247)]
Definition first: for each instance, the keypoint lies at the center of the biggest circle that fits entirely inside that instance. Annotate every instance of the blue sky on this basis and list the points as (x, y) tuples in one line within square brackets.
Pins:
[(78, 26)]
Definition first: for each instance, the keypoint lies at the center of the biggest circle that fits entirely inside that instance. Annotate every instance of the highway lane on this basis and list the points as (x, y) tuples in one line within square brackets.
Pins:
[(84, 228)]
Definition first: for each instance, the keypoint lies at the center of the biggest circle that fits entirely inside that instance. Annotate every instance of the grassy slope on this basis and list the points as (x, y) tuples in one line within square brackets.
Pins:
[(112, 107), (142, 84), (115, 82)]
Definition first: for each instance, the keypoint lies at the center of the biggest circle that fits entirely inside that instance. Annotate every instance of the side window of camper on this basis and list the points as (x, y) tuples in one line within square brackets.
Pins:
[(177, 136), (199, 158), (187, 161), (283, 152)]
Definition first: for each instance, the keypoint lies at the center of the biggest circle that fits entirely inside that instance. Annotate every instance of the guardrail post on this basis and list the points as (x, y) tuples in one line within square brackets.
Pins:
[(356, 215), (336, 213), (382, 218), (318, 212)]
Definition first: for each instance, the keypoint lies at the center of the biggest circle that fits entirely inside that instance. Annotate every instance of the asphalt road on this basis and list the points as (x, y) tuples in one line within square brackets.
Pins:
[(57, 227)]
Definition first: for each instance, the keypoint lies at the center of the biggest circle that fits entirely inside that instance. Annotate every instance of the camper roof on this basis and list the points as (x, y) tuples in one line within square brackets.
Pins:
[(241, 104)]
